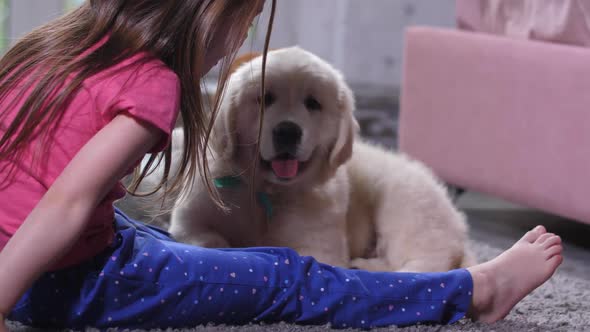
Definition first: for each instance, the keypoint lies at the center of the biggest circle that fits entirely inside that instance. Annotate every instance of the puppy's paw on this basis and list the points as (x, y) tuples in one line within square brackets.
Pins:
[(212, 241), (426, 265), (371, 264), (324, 257), (205, 240)]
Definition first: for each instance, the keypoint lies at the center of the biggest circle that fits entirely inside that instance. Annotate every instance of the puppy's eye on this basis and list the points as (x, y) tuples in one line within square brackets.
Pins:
[(312, 104), (269, 99)]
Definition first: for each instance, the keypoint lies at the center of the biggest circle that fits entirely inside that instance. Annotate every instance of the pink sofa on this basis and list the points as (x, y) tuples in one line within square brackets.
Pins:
[(501, 116)]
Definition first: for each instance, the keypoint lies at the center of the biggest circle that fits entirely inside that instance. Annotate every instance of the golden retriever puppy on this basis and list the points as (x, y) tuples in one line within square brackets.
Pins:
[(318, 188)]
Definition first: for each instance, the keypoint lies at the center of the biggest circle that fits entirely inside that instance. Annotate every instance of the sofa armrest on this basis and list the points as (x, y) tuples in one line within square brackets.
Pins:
[(500, 116)]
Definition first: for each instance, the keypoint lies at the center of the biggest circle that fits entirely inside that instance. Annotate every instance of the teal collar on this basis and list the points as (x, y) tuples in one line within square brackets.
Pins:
[(235, 181)]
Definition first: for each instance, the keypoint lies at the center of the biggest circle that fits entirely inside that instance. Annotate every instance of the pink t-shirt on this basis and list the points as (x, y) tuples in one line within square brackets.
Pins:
[(148, 91)]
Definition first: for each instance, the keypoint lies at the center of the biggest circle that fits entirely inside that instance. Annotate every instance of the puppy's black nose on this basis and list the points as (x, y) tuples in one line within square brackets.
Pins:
[(286, 137)]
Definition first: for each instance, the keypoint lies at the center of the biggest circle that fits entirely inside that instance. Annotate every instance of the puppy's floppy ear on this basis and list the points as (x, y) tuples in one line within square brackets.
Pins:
[(223, 136), (348, 127)]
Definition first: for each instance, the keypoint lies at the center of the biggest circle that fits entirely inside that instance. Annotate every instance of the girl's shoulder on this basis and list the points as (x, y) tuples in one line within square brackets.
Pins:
[(142, 87), (141, 79), (139, 69)]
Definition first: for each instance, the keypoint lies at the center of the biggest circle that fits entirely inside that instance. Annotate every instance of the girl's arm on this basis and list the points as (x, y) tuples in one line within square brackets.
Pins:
[(61, 215)]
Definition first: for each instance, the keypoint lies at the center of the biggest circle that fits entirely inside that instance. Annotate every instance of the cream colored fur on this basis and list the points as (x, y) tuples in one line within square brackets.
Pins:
[(353, 205)]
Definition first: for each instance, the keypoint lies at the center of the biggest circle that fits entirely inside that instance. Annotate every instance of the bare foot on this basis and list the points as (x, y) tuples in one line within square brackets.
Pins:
[(499, 284)]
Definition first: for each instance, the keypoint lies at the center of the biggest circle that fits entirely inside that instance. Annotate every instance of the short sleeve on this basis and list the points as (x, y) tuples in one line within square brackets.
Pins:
[(149, 92)]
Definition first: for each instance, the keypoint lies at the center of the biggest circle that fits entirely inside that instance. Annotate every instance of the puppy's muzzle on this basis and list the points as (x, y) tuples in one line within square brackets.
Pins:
[(286, 137)]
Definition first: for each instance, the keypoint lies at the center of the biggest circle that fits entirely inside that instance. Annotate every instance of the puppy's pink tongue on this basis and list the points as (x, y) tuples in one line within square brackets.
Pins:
[(285, 168)]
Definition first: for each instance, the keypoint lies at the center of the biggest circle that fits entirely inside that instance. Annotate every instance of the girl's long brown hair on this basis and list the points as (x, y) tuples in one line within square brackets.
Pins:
[(54, 60)]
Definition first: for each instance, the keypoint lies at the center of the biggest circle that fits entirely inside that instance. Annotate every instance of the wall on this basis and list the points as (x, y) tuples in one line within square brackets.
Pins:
[(28, 14), (363, 38)]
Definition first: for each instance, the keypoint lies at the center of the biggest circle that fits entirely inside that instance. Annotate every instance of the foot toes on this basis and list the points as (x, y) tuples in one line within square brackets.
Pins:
[(534, 234), (544, 237), (555, 250), (553, 240), (555, 261)]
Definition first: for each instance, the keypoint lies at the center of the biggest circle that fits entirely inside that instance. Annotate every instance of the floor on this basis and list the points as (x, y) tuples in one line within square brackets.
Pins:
[(561, 305), (500, 223)]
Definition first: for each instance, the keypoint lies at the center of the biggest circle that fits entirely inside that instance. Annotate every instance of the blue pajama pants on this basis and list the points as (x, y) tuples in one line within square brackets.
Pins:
[(147, 280)]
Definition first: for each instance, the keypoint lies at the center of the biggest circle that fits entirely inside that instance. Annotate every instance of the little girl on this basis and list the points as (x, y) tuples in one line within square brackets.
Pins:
[(82, 100)]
